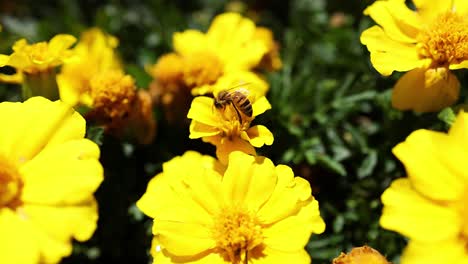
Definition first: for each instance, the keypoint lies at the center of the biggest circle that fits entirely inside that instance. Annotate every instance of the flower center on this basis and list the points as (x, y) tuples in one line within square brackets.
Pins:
[(233, 121), (445, 41), (237, 233), (10, 184), (202, 68), (113, 94)]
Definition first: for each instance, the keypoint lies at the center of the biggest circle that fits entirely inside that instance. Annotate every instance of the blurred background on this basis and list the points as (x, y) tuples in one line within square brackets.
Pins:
[(331, 114)]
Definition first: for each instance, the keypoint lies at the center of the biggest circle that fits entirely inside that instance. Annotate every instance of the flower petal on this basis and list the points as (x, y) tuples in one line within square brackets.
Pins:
[(397, 20), (297, 228), (426, 90), (231, 34), (202, 110), (75, 176), (183, 238), (449, 251), (459, 129), (199, 130), (189, 41), (260, 106), (226, 146), (16, 242), (460, 6), (248, 181), (432, 161), (174, 195), (430, 9), (274, 256), (61, 42), (52, 121), (62, 223), (388, 55), (258, 136), (256, 86), (287, 198), (461, 65), (416, 217)]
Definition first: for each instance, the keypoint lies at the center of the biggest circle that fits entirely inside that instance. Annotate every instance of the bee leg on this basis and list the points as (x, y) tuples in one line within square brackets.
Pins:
[(238, 113)]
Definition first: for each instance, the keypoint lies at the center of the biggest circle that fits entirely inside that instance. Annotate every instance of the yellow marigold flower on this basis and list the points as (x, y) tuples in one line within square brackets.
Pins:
[(230, 45), (361, 255), (429, 207), (48, 174), (228, 128), (248, 212), (95, 53), (38, 57), (427, 42), (112, 94)]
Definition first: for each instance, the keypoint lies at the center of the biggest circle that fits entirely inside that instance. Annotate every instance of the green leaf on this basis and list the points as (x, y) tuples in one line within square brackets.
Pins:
[(447, 116), (95, 133), (367, 165), (331, 164)]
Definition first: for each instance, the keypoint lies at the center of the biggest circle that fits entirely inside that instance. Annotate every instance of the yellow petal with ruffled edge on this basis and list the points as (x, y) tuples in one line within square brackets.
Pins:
[(260, 106), (190, 168), (248, 181), (230, 34), (461, 65), (430, 9), (388, 55), (389, 15), (203, 111), (276, 256), (409, 213), (258, 136), (189, 41), (73, 179), (426, 90), (225, 146), (200, 130), (444, 251), (230, 81), (182, 238), (16, 243), (287, 197), (61, 124), (56, 226), (297, 228), (432, 163)]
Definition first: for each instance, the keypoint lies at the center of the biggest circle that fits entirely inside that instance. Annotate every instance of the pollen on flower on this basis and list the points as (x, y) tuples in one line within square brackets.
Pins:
[(231, 124), (446, 40), (113, 94), (237, 234), (10, 183), (202, 68)]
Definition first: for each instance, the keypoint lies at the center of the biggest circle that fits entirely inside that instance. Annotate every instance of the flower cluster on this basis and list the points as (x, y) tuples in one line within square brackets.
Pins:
[(230, 53), (428, 42), (240, 207), (234, 206)]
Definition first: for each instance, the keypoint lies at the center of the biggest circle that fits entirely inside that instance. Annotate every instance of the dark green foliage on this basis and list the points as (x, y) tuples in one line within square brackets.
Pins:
[(331, 114)]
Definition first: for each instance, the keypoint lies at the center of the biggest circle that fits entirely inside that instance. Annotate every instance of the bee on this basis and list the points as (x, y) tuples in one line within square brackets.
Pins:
[(237, 98)]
